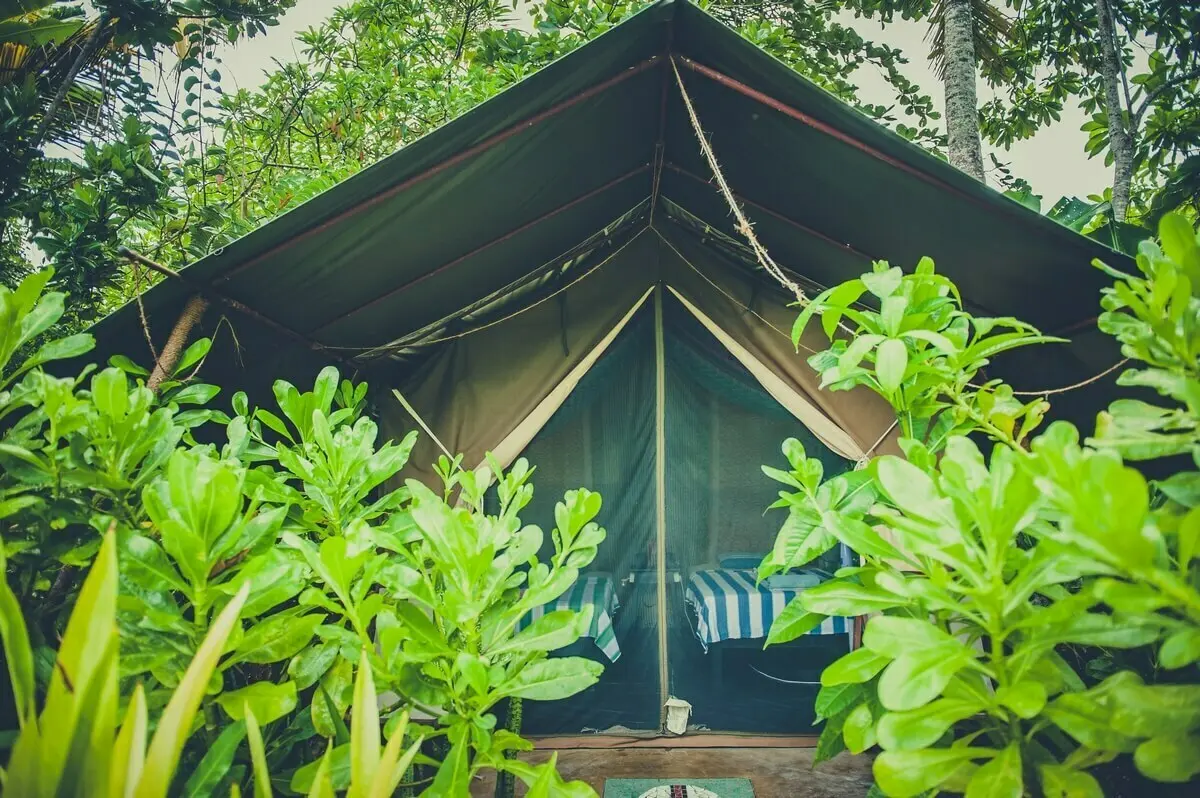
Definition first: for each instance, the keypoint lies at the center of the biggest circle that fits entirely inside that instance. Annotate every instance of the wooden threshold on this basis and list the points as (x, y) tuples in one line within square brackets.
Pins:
[(702, 740)]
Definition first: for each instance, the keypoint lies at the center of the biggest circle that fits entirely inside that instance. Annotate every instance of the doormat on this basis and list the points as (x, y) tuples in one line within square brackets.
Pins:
[(718, 788)]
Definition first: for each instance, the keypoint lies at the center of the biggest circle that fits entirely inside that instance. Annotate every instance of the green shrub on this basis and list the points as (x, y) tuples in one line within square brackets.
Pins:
[(285, 544), (994, 563)]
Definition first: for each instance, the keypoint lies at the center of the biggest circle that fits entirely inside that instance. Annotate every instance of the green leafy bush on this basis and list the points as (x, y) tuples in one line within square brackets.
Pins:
[(286, 542), (992, 564)]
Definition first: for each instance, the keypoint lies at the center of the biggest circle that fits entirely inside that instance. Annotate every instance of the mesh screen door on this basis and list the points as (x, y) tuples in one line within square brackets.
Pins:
[(603, 438), (672, 432)]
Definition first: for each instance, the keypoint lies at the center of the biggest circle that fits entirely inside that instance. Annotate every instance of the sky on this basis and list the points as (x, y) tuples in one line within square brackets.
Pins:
[(1053, 161)]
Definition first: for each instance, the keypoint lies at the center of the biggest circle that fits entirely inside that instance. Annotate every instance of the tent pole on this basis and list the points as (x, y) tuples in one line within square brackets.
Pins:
[(189, 317), (213, 294), (660, 482)]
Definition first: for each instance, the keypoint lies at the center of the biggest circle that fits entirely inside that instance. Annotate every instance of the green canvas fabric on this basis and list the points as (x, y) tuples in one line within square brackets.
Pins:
[(380, 256)]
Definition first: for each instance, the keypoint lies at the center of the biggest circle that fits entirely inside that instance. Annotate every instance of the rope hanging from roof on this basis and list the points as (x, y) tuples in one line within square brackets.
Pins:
[(746, 228), (743, 224)]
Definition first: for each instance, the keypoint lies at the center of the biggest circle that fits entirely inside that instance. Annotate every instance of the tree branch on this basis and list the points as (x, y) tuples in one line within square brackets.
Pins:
[(1136, 116)]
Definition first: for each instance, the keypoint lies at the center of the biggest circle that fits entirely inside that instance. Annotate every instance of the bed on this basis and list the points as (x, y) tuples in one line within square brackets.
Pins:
[(729, 605), (729, 608), (596, 589)]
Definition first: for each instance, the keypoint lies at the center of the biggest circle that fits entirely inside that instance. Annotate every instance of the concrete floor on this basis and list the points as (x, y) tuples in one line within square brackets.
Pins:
[(774, 772)]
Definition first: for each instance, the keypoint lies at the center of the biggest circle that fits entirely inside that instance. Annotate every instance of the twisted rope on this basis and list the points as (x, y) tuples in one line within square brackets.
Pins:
[(743, 225)]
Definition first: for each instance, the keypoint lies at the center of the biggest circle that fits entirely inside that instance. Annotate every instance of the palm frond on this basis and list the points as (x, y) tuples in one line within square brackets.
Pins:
[(47, 65), (991, 28)]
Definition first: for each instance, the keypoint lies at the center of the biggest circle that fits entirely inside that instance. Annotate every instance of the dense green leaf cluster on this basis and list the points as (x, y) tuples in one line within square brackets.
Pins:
[(979, 572), (290, 544)]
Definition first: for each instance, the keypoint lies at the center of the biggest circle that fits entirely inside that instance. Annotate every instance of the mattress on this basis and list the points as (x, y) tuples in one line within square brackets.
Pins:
[(595, 589), (729, 605)]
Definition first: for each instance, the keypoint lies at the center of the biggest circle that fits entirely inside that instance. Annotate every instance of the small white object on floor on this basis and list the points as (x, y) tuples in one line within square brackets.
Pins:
[(678, 712), (679, 791)]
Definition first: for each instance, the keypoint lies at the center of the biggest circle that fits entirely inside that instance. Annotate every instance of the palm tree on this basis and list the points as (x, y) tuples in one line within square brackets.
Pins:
[(963, 33)]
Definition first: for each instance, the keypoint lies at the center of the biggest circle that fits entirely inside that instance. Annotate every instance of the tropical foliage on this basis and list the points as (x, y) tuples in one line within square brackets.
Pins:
[(986, 573), (242, 565)]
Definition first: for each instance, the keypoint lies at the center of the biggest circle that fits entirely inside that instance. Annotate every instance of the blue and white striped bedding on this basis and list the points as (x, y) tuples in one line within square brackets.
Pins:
[(730, 606), (595, 589)]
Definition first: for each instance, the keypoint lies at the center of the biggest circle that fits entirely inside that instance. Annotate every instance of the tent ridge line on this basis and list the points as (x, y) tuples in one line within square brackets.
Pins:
[(483, 247), (450, 162), (817, 124), (776, 214)]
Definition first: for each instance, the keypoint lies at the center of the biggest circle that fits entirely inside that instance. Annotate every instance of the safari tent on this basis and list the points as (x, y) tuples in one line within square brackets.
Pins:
[(555, 276)]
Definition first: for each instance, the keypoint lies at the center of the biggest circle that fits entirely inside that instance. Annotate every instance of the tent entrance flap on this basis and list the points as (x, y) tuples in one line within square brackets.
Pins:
[(672, 430)]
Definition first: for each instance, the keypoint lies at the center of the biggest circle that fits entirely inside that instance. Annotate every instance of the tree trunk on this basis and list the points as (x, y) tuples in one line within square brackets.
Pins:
[(962, 107), (176, 342), (1120, 141)]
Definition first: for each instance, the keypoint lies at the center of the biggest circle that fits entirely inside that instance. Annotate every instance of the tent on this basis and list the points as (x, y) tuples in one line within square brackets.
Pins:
[(554, 275)]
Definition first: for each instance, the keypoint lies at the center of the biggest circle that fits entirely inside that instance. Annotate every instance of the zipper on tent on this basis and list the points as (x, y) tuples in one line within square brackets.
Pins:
[(660, 480)]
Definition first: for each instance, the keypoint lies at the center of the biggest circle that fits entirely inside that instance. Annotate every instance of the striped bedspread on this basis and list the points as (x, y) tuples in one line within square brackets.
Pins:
[(595, 589), (730, 606)]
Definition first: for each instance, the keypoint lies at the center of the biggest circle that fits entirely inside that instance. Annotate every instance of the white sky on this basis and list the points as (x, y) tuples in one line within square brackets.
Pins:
[(1054, 161)]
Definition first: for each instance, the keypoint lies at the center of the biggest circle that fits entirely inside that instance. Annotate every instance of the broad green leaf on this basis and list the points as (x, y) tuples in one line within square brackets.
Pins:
[(18, 654), (891, 362), (84, 661), (846, 598), (894, 636), (1089, 722), (550, 632), (129, 749), (999, 778), (364, 734), (311, 664), (922, 727), (1179, 242), (553, 679), (175, 724), (268, 701), (278, 637), (831, 742), (1059, 781), (258, 756), (453, 776), (322, 784), (1169, 758), (860, 537), (859, 729), (147, 565), (394, 761), (1026, 699), (216, 762), (905, 774), (858, 666), (336, 690), (793, 622), (918, 676), (192, 355), (836, 699), (337, 771), (1151, 710), (1180, 649)]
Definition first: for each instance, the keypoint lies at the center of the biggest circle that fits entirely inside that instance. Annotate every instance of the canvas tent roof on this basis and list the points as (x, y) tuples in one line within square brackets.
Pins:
[(522, 195)]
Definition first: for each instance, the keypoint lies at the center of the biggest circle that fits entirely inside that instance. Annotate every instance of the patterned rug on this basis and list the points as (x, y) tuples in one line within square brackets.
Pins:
[(678, 788)]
